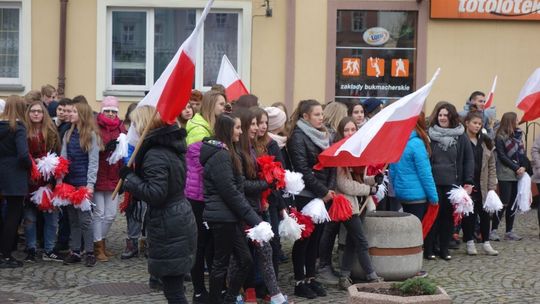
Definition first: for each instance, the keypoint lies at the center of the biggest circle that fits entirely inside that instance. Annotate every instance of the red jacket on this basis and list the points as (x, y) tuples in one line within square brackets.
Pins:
[(108, 175)]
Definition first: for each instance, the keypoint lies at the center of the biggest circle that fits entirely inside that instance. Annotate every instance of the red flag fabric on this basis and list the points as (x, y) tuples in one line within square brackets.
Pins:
[(489, 99), (429, 218), (383, 138), (529, 98), (229, 78)]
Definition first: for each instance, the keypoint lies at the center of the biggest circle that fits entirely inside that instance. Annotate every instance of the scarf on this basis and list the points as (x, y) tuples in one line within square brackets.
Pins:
[(445, 137), (514, 146), (319, 138), (281, 140)]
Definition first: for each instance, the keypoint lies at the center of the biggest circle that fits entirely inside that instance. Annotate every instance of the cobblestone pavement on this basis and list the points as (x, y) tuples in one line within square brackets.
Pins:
[(512, 277)]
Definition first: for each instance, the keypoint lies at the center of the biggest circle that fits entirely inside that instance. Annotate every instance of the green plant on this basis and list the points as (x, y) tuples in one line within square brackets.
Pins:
[(416, 287)]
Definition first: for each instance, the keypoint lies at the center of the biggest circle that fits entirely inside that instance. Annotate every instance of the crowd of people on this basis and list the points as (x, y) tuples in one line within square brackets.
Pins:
[(196, 185)]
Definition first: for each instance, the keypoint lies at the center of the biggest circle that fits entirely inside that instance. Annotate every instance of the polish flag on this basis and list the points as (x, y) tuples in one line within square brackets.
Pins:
[(529, 98), (383, 138), (229, 78), (489, 99)]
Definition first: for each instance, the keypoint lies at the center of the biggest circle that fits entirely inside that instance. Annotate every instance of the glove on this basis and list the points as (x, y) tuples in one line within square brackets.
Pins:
[(373, 190), (111, 145), (379, 178), (125, 171)]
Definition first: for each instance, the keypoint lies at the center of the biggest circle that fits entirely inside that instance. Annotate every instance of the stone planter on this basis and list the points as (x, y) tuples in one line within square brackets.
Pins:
[(360, 297), (395, 245)]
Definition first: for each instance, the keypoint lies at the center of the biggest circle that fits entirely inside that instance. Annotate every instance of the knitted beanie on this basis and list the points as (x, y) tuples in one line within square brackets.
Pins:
[(109, 103), (276, 118)]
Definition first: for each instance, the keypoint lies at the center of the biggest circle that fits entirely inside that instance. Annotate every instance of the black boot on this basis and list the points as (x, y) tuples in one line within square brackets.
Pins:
[(131, 249)]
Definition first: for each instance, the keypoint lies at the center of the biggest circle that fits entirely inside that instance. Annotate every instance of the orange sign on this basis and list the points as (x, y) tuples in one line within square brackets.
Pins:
[(350, 67), (375, 67), (486, 9), (400, 67)]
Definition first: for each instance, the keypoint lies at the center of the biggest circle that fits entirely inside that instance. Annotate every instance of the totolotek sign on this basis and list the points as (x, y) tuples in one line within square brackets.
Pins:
[(486, 9)]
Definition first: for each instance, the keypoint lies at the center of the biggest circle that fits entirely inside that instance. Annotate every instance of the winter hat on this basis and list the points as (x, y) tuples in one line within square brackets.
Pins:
[(2, 105), (276, 118), (371, 104), (109, 103)]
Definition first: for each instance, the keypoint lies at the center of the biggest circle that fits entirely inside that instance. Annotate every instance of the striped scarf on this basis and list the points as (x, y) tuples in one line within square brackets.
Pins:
[(514, 146)]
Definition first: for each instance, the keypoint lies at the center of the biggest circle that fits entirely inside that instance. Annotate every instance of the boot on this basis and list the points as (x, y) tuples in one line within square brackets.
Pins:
[(108, 253), (488, 249), (99, 252), (131, 249), (142, 247)]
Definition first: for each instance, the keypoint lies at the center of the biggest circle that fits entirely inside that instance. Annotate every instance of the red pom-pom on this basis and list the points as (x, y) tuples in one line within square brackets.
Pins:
[(46, 204), (35, 175), (79, 195), (341, 209), (61, 194), (264, 199), (303, 220), (429, 218), (125, 203), (62, 168)]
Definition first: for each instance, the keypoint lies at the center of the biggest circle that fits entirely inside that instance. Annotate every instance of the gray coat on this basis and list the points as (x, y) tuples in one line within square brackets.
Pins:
[(454, 166), (535, 154)]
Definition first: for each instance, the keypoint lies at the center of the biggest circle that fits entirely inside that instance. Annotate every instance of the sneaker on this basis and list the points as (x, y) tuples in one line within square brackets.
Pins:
[(453, 244), (10, 262), (493, 236), (471, 248), (488, 249), (327, 276), (90, 260), (374, 278), (201, 298), (72, 258), (30, 256), (51, 256), (317, 288), (302, 290), (511, 236), (345, 283)]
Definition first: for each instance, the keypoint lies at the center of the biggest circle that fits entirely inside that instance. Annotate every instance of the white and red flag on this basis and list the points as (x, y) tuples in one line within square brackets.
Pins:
[(383, 138), (229, 78), (529, 98), (489, 99)]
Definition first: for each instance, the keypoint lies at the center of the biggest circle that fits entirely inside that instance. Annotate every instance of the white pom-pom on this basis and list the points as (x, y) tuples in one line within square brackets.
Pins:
[(493, 202), (85, 205), (289, 229), (381, 192), (461, 200), (47, 164), (317, 211), (523, 200), (261, 233), (60, 202), (294, 184), (38, 195), (120, 151)]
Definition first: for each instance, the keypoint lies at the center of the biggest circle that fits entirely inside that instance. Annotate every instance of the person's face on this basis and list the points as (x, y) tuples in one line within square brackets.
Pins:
[(474, 125), (220, 106), (350, 129), (237, 130), (253, 129), (442, 118), (479, 101), (195, 105), (263, 125), (68, 111), (315, 118), (187, 113), (112, 114), (74, 117), (36, 114), (60, 112), (358, 114)]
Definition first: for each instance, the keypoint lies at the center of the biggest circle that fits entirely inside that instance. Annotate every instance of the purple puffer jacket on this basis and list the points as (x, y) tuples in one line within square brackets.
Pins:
[(194, 188)]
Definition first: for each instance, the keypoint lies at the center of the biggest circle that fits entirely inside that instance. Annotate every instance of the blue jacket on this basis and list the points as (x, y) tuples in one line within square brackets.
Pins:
[(411, 176)]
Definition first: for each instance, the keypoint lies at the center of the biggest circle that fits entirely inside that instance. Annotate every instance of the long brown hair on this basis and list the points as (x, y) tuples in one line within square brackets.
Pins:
[(304, 107), (508, 124), (420, 129), (14, 111), (47, 128), (250, 167), (261, 142), (223, 131), (86, 126), (341, 127), (208, 106), (453, 116)]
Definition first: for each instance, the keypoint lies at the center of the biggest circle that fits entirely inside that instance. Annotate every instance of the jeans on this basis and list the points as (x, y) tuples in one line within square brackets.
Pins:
[(81, 226), (229, 240), (357, 246), (205, 250), (272, 216), (330, 231), (11, 219), (103, 213), (173, 289), (63, 226), (135, 220), (508, 193), (49, 229)]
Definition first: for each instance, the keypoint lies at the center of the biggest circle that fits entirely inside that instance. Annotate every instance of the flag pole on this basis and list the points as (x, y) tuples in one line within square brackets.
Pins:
[(135, 151)]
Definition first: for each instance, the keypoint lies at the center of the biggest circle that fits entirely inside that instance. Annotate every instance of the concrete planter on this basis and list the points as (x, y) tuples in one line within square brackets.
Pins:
[(395, 245), (360, 297)]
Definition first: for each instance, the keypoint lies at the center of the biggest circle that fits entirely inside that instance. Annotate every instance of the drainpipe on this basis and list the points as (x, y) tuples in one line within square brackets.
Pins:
[(290, 48), (62, 49)]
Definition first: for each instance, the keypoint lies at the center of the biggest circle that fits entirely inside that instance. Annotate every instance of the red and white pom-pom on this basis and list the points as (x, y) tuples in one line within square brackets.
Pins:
[(289, 229), (341, 209), (294, 183), (80, 199), (381, 192), (317, 211), (47, 164), (35, 176), (523, 200), (463, 204), (120, 151), (42, 198), (493, 202), (305, 221), (61, 195), (261, 233), (62, 168)]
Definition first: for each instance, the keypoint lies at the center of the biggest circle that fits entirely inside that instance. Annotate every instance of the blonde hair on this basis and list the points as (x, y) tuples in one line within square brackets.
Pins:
[(14, 111), (208, 106), (333, 113), (86, 126), (142, 116), (46, 127), (34, 95), (47, 90)]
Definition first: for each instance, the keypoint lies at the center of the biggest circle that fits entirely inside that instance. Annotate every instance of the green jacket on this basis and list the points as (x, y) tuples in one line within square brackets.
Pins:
[(197, 128)]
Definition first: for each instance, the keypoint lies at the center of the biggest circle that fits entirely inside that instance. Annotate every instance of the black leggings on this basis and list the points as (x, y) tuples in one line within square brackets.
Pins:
[(507, 193), (10, 223), (469, 222), (305, 251), (205, 251), (173, 289)]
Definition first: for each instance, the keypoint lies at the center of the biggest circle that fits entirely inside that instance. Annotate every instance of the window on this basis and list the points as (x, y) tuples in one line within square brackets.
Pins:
[(357, 22)]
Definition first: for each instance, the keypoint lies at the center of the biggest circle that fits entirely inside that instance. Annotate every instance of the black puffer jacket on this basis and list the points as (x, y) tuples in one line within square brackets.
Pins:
[(159, 181), (304, 155), (15, 160), (223, 188), (253, 188)]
